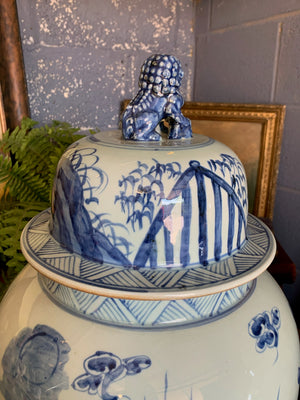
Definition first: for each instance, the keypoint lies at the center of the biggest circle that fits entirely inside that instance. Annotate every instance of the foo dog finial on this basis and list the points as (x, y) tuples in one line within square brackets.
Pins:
[(157, 106)]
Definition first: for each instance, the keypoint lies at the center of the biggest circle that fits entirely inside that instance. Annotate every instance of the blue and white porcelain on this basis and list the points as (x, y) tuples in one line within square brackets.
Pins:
[(149, 219), (247, 349), (149, 276), (156, 108)]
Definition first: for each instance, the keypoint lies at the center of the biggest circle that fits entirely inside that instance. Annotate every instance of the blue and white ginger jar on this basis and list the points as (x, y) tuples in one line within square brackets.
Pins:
[(149, 276)]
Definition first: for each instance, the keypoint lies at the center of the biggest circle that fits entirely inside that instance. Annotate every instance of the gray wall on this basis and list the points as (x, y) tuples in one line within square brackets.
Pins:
[(82, 57), (249, 52)]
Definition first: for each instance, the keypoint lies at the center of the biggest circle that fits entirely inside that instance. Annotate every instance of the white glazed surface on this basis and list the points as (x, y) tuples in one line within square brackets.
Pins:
[(139, 206), (69, 269), (216, 360), (149, 218), (147, 313)]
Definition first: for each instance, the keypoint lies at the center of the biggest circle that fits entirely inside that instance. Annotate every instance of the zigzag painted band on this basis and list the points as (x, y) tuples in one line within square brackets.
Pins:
[(148, 314), (69, 269)]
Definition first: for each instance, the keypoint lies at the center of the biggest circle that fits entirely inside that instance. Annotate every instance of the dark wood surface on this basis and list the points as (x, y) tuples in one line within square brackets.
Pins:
[(282, 268), (12, 75)]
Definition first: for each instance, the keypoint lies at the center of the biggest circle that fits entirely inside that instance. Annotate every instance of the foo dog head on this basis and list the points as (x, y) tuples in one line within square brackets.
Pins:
[(162, 74), (156, 108)]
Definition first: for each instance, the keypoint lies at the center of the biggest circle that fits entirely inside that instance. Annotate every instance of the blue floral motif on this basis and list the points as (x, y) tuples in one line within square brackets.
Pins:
[(264, 328), (33, 365), (103, 368)]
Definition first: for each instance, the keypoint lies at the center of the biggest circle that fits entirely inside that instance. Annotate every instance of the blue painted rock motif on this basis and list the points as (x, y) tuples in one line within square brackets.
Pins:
[(33, 365)]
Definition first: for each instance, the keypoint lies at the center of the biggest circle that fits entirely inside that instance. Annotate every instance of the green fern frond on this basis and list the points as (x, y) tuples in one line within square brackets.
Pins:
[(25, 185), (15, 142), (5, 167), (36, 152), (13, 220), (27, 170)]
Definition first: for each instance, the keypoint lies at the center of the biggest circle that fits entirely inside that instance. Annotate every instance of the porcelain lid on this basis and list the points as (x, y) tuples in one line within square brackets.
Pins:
[(154, 212), (101, 183)]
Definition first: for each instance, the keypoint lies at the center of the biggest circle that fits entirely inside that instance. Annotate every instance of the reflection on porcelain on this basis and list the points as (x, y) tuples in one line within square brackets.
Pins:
[(46, 255), (151, 199), (157, 102), (157, 224)]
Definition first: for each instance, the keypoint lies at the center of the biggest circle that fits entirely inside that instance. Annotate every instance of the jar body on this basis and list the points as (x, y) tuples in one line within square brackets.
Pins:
[(46, 352)]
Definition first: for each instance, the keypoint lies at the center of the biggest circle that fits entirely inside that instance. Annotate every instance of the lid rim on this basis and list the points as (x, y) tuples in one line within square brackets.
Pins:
[(186, 282)]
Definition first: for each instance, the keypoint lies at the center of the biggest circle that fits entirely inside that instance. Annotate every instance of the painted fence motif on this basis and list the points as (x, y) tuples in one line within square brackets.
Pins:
[(182, 188), (149, 207)]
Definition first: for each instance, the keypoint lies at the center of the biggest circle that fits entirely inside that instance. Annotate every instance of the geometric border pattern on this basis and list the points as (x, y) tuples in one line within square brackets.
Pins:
[(72, 270), (148, 314)]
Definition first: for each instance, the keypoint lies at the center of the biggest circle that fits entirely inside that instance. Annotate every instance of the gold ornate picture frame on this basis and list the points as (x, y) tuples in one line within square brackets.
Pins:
[(254, 132)]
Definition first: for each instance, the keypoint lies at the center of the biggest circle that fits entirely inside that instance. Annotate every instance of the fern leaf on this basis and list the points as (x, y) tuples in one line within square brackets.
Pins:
[(12, 222), (5, 167), (27, 170), (24, 185), (15, 141)]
